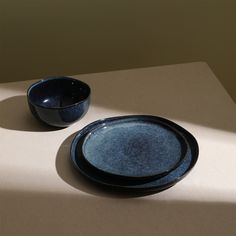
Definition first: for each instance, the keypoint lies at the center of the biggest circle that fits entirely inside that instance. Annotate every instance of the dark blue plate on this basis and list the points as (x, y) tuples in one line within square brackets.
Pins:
[(121, 184), (135, 148)]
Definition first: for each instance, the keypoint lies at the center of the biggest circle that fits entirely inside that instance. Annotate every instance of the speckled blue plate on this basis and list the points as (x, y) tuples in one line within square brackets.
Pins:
[(134, 148), (155, 185)]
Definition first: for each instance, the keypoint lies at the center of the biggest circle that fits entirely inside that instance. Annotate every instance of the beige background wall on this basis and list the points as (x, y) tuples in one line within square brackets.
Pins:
[(40, 37)]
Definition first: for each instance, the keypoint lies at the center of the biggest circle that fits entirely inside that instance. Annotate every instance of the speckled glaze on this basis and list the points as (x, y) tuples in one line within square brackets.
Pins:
[(155, 185), (59, 101), (134, 147)]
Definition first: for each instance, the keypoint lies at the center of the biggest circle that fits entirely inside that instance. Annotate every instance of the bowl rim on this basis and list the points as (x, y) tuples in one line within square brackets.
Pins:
[(57, 78)]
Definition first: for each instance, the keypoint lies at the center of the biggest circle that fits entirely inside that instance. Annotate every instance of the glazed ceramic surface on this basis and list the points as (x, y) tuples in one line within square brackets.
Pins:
[(59, 101), (155, 185), (134, 147)]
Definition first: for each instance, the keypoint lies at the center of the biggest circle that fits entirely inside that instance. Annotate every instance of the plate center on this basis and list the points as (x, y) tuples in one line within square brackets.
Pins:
[(133, 148)]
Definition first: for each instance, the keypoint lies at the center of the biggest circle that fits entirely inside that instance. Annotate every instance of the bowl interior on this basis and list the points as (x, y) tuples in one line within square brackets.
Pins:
[(58, 92)]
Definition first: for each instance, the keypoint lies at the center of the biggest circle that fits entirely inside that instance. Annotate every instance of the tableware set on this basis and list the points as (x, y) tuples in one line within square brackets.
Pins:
[(135, 153)]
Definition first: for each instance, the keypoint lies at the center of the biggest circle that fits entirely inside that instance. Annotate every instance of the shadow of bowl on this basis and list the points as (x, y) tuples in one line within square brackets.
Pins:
[(15, 115)]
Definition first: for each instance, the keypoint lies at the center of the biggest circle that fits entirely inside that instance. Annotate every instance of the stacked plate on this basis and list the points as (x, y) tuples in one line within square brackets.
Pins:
[(136, 153)]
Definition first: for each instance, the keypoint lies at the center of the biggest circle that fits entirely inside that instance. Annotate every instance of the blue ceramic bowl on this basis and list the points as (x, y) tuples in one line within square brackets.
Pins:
[(58, 101)]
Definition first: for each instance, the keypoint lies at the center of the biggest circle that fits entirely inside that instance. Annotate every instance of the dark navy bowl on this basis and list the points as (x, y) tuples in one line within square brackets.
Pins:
[(59, 101)]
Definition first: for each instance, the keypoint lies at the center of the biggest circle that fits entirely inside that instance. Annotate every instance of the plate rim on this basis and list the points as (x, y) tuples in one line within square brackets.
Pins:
[(190, 139)]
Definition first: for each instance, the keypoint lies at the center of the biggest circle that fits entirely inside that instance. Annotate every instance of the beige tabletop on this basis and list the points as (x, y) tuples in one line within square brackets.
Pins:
[(41, 194)]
